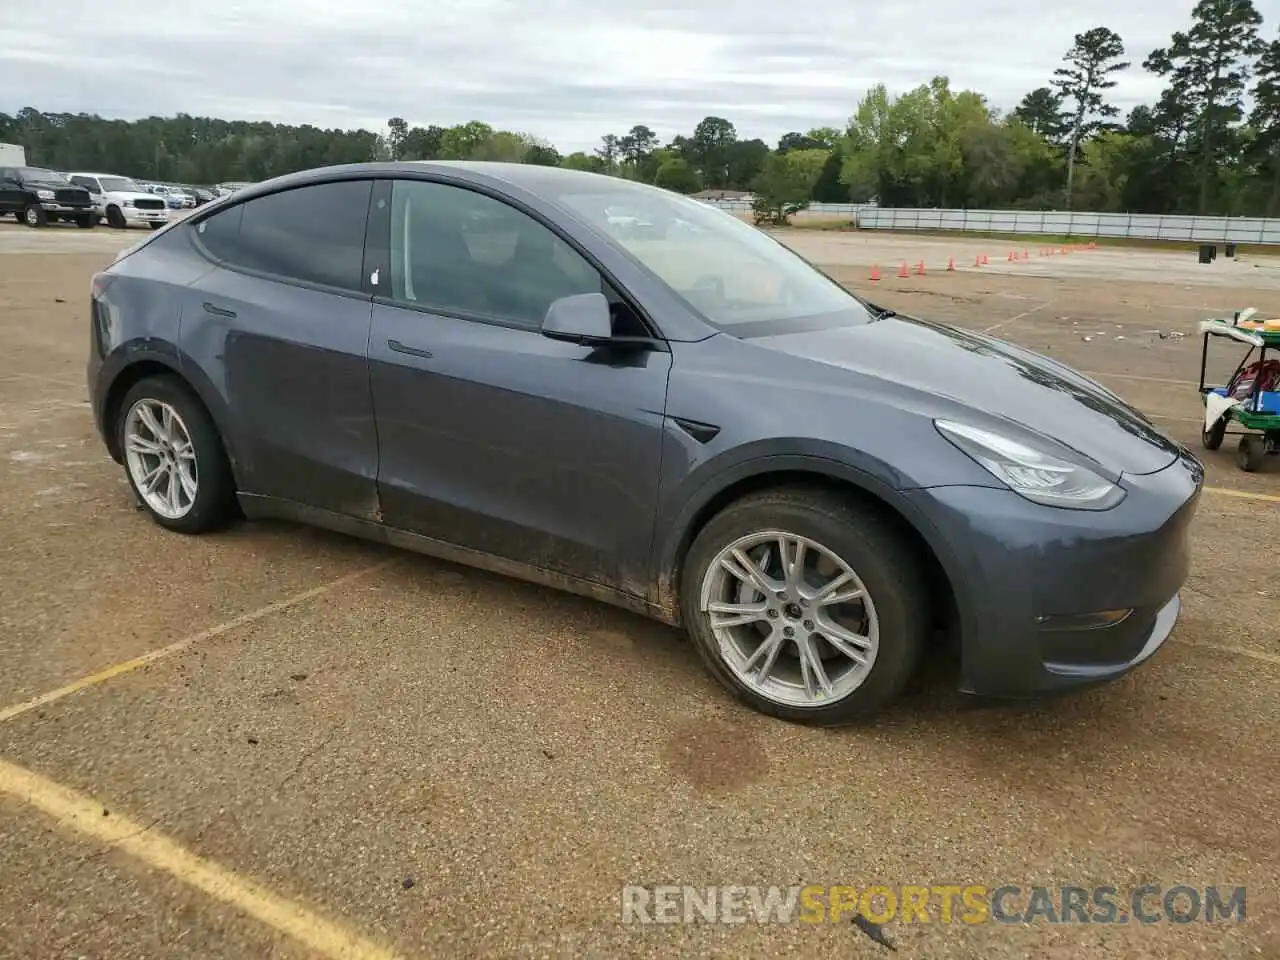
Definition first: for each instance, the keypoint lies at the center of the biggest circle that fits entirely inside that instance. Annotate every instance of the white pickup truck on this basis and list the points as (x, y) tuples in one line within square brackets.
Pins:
[(122, 202)]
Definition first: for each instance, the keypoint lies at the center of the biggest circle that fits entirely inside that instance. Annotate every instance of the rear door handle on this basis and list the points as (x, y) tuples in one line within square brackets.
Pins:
[(218, 311), (399, 347)]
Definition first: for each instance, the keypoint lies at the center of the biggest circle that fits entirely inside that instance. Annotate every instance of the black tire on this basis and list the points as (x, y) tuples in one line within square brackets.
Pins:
[(86, 223), (156, 226), (1212, 438), (1251, 453), (33, 215), (885, 561), (215, 503), (115, 219)]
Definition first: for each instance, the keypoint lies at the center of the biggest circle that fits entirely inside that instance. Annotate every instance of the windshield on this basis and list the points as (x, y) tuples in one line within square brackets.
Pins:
[(738, 278), (39, 173), (119, 185)]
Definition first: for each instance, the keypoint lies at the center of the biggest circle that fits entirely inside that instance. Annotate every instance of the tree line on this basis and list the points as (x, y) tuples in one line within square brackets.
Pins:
[(1210, 144)]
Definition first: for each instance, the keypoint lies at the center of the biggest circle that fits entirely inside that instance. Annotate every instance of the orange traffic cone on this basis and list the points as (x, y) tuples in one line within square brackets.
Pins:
[(903, 271), (920, 269), (951, 264), (1065, 250), (1026, 255), (1013, 255), (977, 260), (985, 261)]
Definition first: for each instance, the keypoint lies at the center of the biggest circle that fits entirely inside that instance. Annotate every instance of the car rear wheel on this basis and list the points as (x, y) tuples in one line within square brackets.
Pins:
[(34, 216), (174, 457), (806, 606), (115, 219)]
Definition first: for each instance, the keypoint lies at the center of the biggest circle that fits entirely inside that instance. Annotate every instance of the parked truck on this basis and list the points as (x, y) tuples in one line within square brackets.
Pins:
[(12, 155)]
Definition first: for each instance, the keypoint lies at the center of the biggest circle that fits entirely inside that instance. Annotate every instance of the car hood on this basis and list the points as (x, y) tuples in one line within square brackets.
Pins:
[(132, 195), (994, 378)]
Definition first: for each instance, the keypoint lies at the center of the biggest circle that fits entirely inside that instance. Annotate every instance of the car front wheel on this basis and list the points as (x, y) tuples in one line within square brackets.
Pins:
[(34, 216), (806, 606), (174, 457)]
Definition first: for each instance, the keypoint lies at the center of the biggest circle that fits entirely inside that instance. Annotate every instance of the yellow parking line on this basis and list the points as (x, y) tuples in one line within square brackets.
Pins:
[(1241, 651), (82, 814), (128, 666), (1220, 491)]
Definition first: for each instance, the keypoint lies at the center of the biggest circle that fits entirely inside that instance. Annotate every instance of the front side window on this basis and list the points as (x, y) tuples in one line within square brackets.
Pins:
[(460, 252), (40, 175), (120, 185), (313, 234)]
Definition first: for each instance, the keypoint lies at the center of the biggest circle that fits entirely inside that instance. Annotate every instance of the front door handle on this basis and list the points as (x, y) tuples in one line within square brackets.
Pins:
[(218, 311), (399, 347)]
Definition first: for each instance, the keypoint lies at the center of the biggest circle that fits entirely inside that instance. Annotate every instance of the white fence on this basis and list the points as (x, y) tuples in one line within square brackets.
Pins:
[(1063, 223), (814, 209), (1056, 223)]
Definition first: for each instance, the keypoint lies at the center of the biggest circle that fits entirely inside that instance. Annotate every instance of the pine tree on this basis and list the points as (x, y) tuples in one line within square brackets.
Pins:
[(1091, 61), (1208, 70)]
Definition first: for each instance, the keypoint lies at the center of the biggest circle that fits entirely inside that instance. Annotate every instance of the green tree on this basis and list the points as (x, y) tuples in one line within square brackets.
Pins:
[(1041, 111), (679, 175), (1090, 63), (580, 160), (709, 150), (785, 185), (1265, 120), (1207, 71), (542, 155), (463, 141), (397, 132), (422, 143)]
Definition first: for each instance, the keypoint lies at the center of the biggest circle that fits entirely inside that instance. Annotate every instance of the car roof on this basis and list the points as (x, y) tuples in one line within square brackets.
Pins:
[(534, 178)]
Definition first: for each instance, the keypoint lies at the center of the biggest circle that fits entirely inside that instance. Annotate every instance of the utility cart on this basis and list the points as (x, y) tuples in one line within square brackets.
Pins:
[(1251, 397)]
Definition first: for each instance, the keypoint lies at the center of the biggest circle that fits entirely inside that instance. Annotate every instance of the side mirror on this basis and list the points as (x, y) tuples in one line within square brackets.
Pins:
[(583, 318)]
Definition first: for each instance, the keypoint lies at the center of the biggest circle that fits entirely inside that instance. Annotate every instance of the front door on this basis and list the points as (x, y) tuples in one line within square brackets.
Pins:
[(493, 436), (285, 320)]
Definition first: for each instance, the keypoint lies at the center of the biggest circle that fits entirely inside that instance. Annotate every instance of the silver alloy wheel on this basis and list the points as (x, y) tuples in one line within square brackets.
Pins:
[(161, 458), (33, 216), (792, 620)]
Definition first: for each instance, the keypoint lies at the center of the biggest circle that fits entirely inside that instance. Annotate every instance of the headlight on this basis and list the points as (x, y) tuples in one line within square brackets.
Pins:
[(45, 194), (126, 203), (1035, 474)]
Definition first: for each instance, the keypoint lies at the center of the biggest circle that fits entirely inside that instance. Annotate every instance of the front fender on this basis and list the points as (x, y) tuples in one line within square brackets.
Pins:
[(688, 500)]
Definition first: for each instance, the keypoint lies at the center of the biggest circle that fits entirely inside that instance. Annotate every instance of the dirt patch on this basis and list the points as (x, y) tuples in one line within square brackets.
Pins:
[(714, 756)]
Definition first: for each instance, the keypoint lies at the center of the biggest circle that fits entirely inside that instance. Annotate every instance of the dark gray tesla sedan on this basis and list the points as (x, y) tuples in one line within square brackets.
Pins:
[(617, 391)]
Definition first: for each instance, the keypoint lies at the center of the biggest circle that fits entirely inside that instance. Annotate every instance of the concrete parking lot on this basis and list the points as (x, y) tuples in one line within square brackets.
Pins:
[(279, 742)]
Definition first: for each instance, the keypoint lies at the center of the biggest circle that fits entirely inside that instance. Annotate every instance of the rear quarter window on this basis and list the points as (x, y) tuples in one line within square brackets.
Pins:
[(311, 234)]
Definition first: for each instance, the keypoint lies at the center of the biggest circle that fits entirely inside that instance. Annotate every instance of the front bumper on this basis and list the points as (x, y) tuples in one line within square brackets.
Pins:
[(1030, 580), (134, 215), (66, 209)]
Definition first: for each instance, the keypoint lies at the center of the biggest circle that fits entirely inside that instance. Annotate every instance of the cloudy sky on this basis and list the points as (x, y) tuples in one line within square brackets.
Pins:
[(566, 70)]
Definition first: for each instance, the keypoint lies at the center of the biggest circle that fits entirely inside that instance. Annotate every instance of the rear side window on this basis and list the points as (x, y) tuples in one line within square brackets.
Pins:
[(87, 182), (312, 234)]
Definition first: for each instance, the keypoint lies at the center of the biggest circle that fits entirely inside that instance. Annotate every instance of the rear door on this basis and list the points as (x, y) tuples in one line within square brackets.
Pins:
[(285, 320)]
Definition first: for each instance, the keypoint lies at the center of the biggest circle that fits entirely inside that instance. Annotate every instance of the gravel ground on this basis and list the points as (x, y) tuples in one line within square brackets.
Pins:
[(520, 755)]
